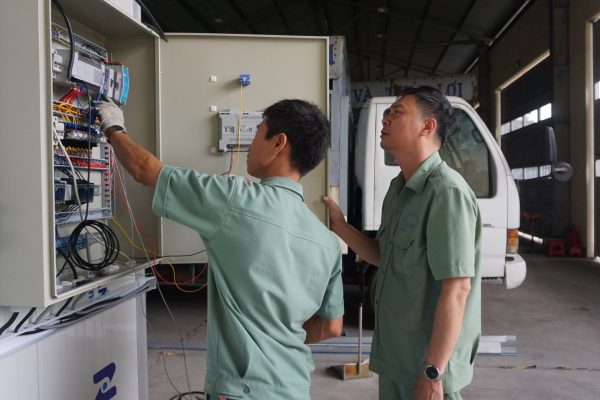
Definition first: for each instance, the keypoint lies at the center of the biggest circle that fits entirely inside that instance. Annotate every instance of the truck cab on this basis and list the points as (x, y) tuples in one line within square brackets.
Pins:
[(472, 151)]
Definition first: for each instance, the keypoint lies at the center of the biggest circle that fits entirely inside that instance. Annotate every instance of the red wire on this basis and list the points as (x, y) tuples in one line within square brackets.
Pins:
[(155, 251)]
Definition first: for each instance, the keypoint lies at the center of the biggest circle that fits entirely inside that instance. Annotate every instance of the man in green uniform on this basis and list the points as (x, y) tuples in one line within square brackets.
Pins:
[(275, 278), (428, 249)]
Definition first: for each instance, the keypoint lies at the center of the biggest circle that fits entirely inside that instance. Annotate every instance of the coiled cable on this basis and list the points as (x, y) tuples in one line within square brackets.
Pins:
[(107, 235)]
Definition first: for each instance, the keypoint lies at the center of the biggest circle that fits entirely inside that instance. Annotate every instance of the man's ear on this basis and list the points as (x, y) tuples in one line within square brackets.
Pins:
[(279, 142), (429, 126)]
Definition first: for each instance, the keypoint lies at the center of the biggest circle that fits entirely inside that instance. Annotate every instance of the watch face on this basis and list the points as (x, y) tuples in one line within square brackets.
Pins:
[(431, 372)]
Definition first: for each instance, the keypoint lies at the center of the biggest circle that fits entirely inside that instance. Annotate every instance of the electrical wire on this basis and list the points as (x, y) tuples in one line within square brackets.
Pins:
[(24, 319), (64, 306), (183, 396), (239, 128), (67, 262), (175, 283), (230, 165), (123, 192), (107, 235), (153, 24), (71, 39), (12, 319)]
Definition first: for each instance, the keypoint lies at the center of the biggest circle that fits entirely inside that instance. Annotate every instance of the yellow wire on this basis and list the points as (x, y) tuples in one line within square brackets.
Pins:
[(239, 138), (156, 254)]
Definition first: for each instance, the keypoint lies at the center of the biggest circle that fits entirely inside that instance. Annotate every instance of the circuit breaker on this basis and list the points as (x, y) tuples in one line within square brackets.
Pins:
[(235, 133)]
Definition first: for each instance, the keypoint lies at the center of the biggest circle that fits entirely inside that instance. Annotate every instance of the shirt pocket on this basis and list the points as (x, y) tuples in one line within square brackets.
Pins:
[(404, 252)]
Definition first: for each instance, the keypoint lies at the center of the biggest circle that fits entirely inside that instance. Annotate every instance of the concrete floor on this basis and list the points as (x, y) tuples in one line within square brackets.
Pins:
[(555, 316)]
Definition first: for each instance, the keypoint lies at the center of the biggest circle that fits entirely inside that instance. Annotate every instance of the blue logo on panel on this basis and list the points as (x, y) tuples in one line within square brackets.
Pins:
[(103, 378)]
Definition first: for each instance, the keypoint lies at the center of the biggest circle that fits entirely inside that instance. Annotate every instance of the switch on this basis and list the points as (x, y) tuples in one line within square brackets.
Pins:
[(213, 108), (245, 79), (213, 78)]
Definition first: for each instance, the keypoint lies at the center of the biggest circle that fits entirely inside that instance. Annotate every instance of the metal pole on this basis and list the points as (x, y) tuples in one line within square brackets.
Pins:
[(360, 309)]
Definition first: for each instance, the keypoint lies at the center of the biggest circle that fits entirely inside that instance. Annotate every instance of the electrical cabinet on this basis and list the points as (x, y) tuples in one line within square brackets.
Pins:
[(173, 92)]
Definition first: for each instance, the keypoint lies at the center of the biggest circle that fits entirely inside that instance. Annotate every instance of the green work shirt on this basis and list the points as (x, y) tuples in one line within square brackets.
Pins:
[(273, 265), (430, 230)]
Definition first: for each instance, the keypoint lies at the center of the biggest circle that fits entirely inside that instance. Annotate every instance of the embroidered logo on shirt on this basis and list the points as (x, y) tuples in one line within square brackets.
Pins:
[(409, 222)]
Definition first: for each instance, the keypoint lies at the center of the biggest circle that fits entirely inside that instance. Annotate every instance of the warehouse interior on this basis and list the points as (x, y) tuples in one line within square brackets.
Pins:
[(102, 298)]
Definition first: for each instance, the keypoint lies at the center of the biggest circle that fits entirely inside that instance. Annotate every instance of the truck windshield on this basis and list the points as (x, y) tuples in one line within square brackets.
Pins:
[(466, 152)]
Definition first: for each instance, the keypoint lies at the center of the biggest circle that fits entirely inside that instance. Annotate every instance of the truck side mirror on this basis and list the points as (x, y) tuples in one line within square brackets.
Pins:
[(562, 171), (548, 143)]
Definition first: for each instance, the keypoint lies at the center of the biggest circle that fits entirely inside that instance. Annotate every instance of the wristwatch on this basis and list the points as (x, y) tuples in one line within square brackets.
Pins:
[(431, 372), (113, 129)]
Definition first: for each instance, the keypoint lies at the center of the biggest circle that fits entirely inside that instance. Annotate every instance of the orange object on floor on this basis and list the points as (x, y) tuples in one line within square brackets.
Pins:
[(556, 247), (576, 247)]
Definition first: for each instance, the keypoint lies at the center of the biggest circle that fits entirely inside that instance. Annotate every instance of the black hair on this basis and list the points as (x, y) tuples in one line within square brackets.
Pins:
[(433, 103), (306, 128)]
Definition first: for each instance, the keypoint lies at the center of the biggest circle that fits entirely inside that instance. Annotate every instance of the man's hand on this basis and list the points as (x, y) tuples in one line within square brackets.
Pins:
[(428, 390), (360, 243), (112, 116), (318, 329), (336, 217)]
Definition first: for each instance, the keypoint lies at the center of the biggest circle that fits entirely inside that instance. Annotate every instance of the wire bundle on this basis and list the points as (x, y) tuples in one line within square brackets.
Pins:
[(107, 235)]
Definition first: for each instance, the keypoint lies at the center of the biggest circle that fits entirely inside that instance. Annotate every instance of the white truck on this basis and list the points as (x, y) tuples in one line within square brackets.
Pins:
[(473, 152)]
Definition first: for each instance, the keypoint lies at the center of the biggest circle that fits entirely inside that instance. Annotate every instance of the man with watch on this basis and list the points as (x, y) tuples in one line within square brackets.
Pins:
[(428, 249)]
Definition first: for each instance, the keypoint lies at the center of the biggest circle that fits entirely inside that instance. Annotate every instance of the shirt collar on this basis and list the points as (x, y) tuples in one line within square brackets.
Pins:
[(419, 178), (285, 183)]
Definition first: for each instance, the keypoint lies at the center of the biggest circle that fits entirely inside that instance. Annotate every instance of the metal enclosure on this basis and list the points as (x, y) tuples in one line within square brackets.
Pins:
[(27, 237), (167, 113), (280, 67)]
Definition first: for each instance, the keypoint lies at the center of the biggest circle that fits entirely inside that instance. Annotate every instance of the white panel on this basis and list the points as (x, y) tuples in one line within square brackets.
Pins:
[(85, 349), (19, 375), (189, 130)]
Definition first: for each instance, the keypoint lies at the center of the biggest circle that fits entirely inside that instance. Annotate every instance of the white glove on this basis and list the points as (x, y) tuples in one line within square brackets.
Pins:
[(112, 116)]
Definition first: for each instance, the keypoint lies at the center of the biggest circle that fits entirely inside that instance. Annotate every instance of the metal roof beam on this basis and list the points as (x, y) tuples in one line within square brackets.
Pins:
[(424, 45), (278, 11), (393, 61), (189, 7), (386, 28), (320, 16), (242, 14), (412, 19), (460, 23), (419, 31)]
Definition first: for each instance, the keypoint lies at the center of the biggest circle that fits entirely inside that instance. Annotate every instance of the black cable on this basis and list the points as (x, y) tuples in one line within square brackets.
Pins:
[(9, 323), (67, 262), (71, 38), (24, 319), (111, 245), (173, 256), (153, 24), (183, 396), (64, 306), (89, 147)]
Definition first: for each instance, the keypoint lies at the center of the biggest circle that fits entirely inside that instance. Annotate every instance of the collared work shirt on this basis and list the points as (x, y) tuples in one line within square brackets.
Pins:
[(430, 230), (273, 265)]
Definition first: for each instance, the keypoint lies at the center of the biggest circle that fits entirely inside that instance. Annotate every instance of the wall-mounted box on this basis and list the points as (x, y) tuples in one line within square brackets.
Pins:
[(167, 112)]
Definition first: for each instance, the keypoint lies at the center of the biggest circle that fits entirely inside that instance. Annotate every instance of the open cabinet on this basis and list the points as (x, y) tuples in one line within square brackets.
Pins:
[(176, 91)]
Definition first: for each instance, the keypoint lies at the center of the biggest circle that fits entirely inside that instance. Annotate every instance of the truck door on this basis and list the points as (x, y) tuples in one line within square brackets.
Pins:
[(471, 151)]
